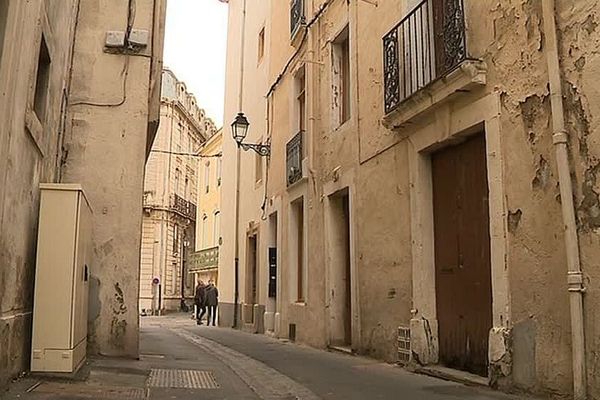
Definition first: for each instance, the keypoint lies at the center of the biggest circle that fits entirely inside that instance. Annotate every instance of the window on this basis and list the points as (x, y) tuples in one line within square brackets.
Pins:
[(258, 168), (301, 99), (186, 192), (261, 44), (177, 179), (3, 23), (297, 18), (175, 239), (207, 176), (217, 229), (42, 81), (341, 77), (205, 231), (219, 170), (178, 137)]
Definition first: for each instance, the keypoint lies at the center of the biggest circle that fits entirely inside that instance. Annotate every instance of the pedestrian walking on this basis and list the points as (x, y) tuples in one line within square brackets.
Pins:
[(212, 300), (200, 301)]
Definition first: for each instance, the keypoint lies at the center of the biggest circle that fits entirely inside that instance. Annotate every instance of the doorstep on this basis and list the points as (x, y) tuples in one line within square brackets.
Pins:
[(454, 375)]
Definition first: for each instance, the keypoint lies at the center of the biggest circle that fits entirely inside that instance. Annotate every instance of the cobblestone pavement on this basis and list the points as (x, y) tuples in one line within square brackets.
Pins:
[(180, 360)]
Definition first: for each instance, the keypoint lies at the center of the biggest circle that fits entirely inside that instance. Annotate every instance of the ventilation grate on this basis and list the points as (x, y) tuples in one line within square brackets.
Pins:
[(404, 351), (82, 391), (182, 379)]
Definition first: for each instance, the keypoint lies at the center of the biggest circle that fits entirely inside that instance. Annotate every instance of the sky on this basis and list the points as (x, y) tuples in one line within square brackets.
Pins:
[(195, 47)]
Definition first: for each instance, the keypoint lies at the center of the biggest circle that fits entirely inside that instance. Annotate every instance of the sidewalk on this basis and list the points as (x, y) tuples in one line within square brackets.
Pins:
[(170, 367)]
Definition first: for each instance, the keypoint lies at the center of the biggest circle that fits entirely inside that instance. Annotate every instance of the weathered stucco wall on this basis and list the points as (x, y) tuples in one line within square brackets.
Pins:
[(29, 155), (110, 111), (513, 47), (509, 97), (251, 188)]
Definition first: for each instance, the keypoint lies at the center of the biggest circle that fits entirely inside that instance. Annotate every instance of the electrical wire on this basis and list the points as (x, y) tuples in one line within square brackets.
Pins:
[(131, 14), (320, 12), (125, 74), (217, 155)]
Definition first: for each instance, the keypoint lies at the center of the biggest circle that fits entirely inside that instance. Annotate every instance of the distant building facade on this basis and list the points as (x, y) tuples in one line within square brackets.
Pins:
[(170, 199), (432, 193), (74, 110), (204, 261)]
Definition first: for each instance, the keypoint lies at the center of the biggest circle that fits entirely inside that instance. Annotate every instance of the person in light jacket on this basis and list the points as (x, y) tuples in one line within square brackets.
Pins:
[(212, 301)]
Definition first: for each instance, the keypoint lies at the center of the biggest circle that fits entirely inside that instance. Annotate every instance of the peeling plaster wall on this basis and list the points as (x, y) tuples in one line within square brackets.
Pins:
[(508, 36), (27, 160), (512, 45)]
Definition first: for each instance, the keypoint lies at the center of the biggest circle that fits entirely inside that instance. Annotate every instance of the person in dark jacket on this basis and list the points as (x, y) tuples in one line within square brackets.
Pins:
[(212, 300), (200, 301)]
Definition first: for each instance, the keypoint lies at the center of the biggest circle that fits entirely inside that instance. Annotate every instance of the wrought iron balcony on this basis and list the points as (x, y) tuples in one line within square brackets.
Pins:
[(204, 259), (426, 45), (297, 17), (183, 207), (295, 154)]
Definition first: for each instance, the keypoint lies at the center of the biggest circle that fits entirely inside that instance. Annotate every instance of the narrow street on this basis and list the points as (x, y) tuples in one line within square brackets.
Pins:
[(180, 360)]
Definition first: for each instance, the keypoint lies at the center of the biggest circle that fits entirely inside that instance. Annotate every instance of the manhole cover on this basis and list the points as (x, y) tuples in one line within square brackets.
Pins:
[(182, 379), (91, 392)]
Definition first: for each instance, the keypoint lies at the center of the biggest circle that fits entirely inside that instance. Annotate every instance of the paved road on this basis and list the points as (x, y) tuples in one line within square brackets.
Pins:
[(175, 352), (338, 376)]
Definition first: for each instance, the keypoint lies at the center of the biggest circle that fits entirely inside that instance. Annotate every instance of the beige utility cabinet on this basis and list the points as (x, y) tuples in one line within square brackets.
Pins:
[(61, 279)]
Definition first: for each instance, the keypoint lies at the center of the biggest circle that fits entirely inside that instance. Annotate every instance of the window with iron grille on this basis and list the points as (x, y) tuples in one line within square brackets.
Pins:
[(297, 16), (294, 158), (427, 44)]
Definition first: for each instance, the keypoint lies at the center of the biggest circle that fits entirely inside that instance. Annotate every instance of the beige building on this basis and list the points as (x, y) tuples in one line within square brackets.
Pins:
[(77, 105), (432, 182), (170, 199), (204, 262)]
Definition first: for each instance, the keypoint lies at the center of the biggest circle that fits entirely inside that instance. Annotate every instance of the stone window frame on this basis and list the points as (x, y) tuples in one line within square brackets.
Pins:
[(451, 123), (36, 128), (338, 79)]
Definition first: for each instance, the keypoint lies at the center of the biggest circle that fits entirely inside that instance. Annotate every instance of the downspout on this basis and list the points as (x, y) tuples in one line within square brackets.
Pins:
[(237, 180), (560, 139)]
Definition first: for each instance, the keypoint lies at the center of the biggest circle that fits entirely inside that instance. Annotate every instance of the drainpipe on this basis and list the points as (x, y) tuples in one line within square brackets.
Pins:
[(237, 177), (560, 139)]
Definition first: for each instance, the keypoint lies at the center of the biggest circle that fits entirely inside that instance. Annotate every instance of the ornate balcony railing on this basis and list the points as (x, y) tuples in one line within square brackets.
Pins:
[(295, 154), (204, 259), (183, 207), (297, 18), (426, 45)]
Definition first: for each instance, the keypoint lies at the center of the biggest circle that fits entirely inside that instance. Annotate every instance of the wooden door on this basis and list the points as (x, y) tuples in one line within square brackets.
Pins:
[(462, 255)]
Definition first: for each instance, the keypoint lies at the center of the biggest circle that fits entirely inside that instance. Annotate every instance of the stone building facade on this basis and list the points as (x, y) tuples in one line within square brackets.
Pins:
[(67, 101), (204, 262), (170, 199), (432, 180)]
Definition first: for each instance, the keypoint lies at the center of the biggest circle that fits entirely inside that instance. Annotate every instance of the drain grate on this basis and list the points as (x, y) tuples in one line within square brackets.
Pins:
[(90, 392), (182, 379)]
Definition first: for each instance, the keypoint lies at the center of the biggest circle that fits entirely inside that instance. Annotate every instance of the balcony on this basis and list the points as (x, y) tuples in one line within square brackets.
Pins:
[(297, 17), (427, 45), (183, 207), (295, 154), (204, 260)]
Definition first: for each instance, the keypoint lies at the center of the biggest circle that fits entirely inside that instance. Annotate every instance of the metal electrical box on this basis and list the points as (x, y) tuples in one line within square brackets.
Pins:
[(61, 279)]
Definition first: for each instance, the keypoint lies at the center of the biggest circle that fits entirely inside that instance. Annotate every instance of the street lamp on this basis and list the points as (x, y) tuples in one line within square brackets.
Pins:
[(239, 130)]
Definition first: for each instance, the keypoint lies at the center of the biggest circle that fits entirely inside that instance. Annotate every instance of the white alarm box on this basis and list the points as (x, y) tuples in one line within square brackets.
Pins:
[(60, 307)]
